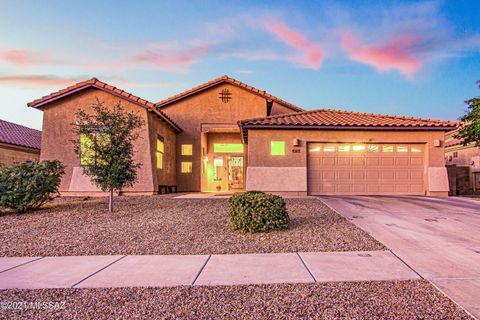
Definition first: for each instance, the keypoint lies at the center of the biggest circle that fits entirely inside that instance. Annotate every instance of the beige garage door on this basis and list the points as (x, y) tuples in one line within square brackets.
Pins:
[(369, 169)]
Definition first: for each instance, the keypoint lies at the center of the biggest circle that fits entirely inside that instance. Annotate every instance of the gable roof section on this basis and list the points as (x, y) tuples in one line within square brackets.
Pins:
[(95, 83), (339, 119), (227, 79), (18, 135)]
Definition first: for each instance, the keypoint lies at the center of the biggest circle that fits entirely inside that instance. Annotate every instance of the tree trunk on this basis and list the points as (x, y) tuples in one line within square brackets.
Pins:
[(110, 201)]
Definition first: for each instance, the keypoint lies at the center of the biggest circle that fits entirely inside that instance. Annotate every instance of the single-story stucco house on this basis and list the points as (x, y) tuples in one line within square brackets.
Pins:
[(225, 135), (18, 143)]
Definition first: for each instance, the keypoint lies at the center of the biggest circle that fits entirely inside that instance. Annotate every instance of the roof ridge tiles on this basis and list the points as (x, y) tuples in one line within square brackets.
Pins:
[(231, 80), (94, 82)]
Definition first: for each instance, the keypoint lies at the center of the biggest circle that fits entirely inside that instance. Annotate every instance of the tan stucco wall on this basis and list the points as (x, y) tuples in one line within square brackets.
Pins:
[(10, 154), (259, 153), (279, 109), (206, 108), (166, 176), (57, 135)]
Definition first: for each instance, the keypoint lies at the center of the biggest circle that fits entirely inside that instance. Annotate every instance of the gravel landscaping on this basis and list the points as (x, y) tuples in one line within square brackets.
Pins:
[(165, 225), (339, 300)]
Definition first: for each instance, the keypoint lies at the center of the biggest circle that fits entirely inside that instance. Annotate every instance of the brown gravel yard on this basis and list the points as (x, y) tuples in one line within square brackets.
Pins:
[(164, 225), (339, 300)]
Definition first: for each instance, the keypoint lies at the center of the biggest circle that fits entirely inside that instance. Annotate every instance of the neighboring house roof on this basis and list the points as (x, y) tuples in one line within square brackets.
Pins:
[(339, 119), (95, 83), (227, 79), (18, 135)]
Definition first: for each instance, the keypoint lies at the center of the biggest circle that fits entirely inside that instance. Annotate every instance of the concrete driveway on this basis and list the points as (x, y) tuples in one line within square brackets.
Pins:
[(439, 238)]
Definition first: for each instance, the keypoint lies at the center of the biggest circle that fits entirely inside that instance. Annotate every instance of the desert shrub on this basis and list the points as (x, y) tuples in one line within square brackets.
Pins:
[(27, 186), (256, 211)]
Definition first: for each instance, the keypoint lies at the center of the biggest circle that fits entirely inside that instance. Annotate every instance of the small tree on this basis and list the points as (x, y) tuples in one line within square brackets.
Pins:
[(105, 147), (470, 131)]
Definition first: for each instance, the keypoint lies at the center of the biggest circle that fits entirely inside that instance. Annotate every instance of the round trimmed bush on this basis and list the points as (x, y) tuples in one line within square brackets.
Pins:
[(256, 211)]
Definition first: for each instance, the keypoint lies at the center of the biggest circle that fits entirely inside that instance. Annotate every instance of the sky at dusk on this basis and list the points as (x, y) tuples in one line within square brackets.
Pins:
[(417, 59)]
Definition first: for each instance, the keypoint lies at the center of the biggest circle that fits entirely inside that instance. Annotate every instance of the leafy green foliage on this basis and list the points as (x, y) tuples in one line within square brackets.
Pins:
[(106, 138), (470, 131), (256, 211), (27, 186)]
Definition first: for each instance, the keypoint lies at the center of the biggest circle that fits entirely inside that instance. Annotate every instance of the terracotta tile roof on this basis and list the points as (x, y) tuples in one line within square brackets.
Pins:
[(451, 141), (18, 135), (328, 118), (231, 81), (95, 83)]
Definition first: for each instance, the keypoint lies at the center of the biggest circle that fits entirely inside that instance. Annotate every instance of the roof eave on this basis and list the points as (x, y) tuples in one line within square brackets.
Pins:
[(245, 127), (283, 103), (168, 121)]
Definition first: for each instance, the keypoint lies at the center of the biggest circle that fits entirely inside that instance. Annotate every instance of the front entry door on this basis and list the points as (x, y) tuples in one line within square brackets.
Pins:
[(235, 173)]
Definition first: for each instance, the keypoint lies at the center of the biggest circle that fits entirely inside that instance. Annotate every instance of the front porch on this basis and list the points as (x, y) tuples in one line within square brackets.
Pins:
[(223, 159)]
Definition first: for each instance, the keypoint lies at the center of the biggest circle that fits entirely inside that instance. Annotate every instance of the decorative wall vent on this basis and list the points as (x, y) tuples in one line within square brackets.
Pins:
[(225, 95)]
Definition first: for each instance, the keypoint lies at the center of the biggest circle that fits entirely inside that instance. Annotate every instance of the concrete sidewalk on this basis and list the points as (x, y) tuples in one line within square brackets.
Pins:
[(175, 270)]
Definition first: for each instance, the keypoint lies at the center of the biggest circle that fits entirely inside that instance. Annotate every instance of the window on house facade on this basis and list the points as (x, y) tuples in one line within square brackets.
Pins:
[(160, 153), (87, 152), (277, 148), (387, 148), (455, 154), (187, 149), (186, 167), (228, 148), (402, 149), (416, 149)]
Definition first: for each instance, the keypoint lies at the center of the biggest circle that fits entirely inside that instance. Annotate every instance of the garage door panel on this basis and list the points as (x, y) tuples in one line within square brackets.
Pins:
[(416, 188), (372, 162), (343, 175), (328, 175), (358, 175), (373, 175), (328, 161), (387, 188), (357, 161), (359, 188), (343, 188), (328, 188), (372, 169), (402, 175), (387, 161), (388, 174), (416, 174), (343, 161), (416, 161), (402, 162)]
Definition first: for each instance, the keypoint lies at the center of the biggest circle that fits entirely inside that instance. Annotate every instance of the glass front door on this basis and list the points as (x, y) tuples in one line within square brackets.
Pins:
[(235, 173)]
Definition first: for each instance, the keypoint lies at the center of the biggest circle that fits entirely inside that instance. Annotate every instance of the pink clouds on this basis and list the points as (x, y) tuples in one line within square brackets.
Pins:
[(38, 80), (312, 55), (395, 53), (19, 57), (168, 59)]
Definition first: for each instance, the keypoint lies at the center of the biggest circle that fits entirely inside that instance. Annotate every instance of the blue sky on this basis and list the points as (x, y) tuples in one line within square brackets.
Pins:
[(392, 57)]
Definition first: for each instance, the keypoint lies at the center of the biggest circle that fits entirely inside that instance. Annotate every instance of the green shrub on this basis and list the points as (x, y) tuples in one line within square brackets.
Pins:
[(26, 186), (256, 211)]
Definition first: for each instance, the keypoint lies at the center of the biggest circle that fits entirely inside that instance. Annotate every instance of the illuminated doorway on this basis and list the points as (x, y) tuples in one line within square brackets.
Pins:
[(235, 173)]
